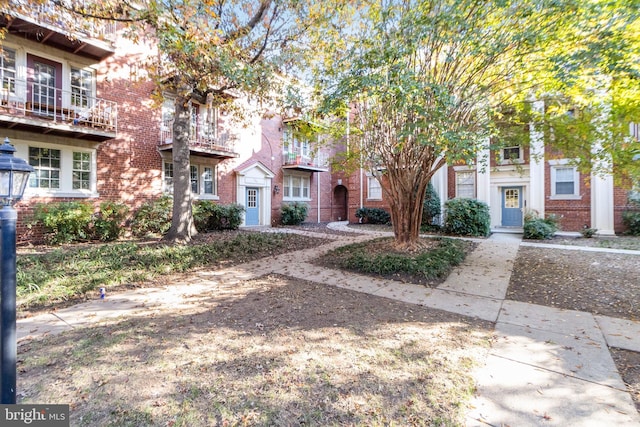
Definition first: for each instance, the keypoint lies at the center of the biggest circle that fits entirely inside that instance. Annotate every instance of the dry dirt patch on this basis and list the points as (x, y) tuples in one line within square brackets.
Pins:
[(272, 351), (596, 282)]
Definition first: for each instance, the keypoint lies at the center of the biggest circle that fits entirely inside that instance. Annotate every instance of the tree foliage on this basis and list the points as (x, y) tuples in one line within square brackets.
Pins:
[(218, 51), (432, 82)]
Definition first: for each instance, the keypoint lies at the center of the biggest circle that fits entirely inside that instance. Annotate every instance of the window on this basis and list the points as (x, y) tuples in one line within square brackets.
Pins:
[(208, 181), (202, 179), (466, 184), (293, 144), (60, 171), (565, 180), (8, 72), (512, 155), (46, 163), (81, 171), (296, 186), (374, 190), (193, 174), (168, 177), (81, 87)]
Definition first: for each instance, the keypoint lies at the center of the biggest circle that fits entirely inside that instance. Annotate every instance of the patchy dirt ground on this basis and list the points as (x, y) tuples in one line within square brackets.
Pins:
[(273, 351), (596, 282)]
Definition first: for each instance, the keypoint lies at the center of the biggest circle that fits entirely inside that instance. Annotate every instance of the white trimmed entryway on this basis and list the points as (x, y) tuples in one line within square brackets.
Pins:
[(254, 193)]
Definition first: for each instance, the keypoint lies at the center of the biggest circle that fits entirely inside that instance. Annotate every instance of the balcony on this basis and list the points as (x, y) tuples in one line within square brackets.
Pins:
[(49, 25), (206, 141), (36, 107), (300, 160)]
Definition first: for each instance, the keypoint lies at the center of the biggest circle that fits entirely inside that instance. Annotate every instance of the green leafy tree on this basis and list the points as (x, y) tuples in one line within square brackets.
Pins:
[(427, 81), (208, 50)]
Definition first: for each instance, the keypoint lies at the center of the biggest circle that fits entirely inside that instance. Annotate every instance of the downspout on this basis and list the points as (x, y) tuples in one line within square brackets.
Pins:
[(318, 189)]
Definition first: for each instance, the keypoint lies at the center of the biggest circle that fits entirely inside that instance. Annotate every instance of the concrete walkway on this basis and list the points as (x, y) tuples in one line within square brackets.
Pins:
[(546, 367)]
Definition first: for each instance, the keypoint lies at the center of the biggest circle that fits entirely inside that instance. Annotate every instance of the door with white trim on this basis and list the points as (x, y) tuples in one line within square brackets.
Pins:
[(252, 205), (512, 206)]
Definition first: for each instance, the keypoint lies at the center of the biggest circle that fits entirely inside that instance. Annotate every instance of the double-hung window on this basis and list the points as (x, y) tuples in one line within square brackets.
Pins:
[(296, 186), (466, 184), (374, 190), (202, 180), (46, 165), (61, 171), (81, 88), (565, 180), (81, 171), (8, 72)]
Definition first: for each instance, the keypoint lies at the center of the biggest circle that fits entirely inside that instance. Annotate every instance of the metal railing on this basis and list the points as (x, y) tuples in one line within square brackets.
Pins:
[(49, 14), (297, 156), (38, 101), (203, 135)]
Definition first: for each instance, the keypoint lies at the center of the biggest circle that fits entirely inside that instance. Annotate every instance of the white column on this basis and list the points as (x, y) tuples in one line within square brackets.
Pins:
[(439, 181), (483, 174), (536, 165), (602, 215)]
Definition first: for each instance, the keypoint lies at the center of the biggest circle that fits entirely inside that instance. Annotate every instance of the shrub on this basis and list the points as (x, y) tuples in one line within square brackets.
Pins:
[(588, 232), (631, 216), (64, 222), (631, 220), (107, 223), (294, 213), (153, 217), (210, 216), (431, 207), (365, 257), (540, 228), (374, 216), (467, 217)]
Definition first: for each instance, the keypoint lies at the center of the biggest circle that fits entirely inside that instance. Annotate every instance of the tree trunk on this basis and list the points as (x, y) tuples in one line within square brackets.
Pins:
[(406, 211), (182, 225)]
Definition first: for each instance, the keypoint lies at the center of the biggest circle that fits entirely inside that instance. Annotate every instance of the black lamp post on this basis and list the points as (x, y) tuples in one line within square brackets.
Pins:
[(14, 175)]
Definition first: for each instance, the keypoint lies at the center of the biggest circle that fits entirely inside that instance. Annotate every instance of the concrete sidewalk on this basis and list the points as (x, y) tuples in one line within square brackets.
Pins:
[(546, 367)]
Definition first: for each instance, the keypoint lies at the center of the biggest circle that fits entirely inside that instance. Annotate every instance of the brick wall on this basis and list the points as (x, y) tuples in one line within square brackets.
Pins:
[(129, 167)]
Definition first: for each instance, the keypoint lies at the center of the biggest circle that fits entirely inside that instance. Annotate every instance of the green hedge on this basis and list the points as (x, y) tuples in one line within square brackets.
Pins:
[(153, 217), (540, 228), (467, 217), (293, 213), (210, 216), (374, 216)]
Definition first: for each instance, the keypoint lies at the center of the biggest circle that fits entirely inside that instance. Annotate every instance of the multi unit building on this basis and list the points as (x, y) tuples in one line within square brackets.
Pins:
[(79, 107)]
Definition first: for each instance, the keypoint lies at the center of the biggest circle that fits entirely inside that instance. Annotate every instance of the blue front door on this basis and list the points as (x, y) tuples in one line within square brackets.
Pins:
[(253, 206), (512, 207)]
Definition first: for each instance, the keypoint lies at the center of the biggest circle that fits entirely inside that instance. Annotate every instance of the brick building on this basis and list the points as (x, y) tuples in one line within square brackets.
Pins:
[(78, 106), (515, 182)]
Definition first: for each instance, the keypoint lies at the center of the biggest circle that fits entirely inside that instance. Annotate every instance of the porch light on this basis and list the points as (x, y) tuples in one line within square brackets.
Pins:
[(14, 175)]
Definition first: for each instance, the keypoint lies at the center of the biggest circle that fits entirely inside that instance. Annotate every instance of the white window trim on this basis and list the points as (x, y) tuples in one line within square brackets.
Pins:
[(469, 169), (301, 175), (201, 195), (66, 171), (564, 163), (519, 161), (379, 188)]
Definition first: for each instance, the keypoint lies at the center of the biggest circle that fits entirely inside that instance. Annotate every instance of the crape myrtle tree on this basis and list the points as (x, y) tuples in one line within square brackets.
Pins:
[(427, 82), (209, 50)]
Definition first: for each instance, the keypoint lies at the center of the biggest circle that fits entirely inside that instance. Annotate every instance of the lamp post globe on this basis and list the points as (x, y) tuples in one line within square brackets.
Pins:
[(14, 175)]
